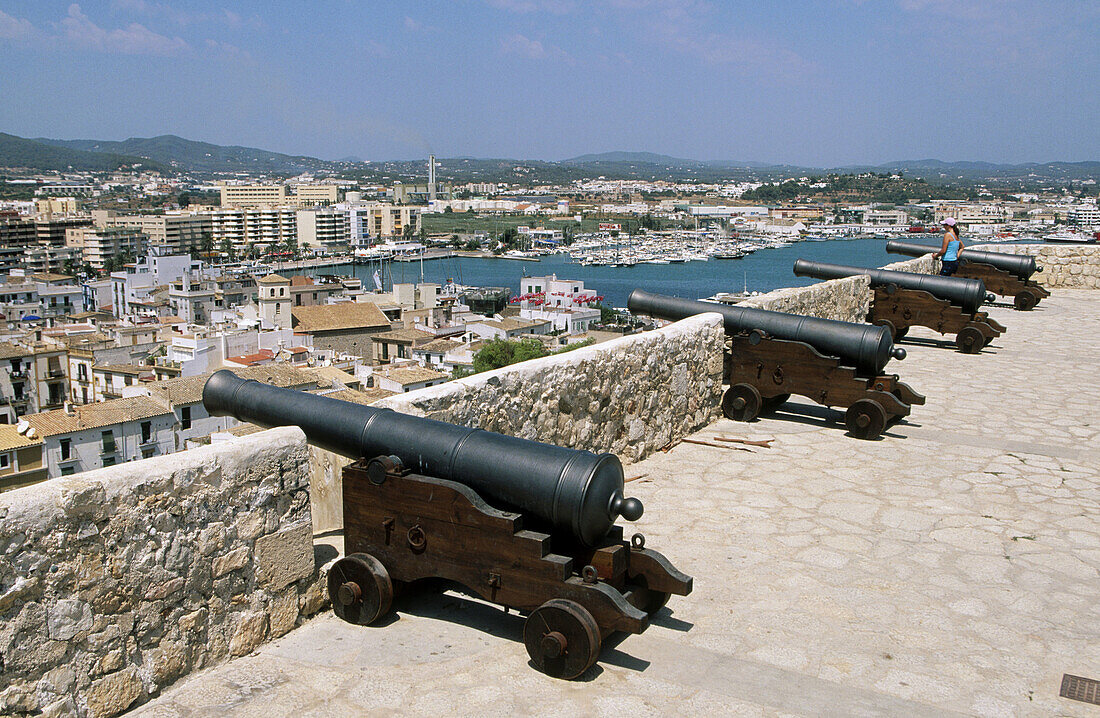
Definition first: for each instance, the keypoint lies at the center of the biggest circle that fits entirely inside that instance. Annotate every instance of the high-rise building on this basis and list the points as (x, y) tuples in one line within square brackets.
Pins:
[(176, 233), (253, 195), (312, 195), (326, 228), (97, 245), (263, 226)]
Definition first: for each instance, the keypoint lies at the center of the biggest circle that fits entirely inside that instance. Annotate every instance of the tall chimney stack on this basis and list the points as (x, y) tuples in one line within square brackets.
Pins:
[(431, 178)]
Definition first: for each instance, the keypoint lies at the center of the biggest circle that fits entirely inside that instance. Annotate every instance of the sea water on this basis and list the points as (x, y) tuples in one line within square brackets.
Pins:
[(761, 271)]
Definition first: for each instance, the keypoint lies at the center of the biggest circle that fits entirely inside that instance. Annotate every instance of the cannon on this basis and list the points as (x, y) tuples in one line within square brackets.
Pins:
[(902, 300), (519, 523), (1008, 275), (772, 355)]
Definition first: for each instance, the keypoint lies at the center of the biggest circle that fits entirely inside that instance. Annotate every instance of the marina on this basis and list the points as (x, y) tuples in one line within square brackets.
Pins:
[(762, 270)]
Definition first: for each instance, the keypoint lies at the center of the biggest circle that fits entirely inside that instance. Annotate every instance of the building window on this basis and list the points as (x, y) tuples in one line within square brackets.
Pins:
[(146, 431), (108, 442), (68, 470), (5, 461), (66, 449), (185, 417), (108, 461)]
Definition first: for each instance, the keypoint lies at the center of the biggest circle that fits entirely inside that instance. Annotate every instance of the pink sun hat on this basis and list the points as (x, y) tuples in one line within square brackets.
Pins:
[(950, 222)]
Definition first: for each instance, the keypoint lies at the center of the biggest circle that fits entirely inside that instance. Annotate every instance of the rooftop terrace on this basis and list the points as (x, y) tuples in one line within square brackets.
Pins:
[(949, 568)]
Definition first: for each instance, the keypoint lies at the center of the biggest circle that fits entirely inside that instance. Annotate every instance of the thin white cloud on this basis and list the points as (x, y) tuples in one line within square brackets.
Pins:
[(413, 25), (557, 7), (14, 28), (523, 46), (229, 51), (134, 39)]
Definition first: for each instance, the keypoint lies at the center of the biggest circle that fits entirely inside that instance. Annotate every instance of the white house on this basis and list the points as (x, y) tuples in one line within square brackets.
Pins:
[(104, 434), (508, 328), (401, 379)]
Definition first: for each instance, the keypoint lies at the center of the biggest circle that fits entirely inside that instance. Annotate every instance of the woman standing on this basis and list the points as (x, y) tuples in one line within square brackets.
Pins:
[(952, 245)]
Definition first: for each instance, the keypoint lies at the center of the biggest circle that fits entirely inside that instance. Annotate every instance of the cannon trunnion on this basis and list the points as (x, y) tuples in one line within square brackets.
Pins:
[(416, 505), (905, 299), (1008, 275), (766, 362)]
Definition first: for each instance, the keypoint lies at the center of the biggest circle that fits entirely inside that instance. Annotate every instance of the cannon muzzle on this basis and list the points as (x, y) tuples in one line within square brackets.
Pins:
[(575, 492), (867, 347), (969, 294)]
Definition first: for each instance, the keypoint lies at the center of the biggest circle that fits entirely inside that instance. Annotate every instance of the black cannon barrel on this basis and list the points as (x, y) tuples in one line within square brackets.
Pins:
[(868, 347), (575, 491), (1020, 265), (969, 294)]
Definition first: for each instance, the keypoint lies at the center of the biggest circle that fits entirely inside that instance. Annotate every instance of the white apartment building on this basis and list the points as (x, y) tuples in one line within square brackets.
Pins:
[(191, 298), (97, 245), (263, 226), (326, 228), (253, 195), (50, 259), (375, 220), (313, 195), (173, 232), (972, 212), (1084, 215), (885, 217), (152, 271)]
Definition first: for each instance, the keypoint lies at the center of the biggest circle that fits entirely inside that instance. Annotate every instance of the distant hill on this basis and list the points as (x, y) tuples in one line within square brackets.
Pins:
[(171, 153), (643, 158), (32, 154), (189, 155), (1035, 172)]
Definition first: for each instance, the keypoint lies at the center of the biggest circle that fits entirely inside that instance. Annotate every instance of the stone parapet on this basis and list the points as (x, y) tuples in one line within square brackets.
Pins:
[(628, 396), (847, 300), (116, 582), (1064, 265), (918, 265)]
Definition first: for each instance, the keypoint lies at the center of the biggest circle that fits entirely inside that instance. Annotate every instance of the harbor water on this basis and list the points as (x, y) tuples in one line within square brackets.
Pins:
[(761, 271)]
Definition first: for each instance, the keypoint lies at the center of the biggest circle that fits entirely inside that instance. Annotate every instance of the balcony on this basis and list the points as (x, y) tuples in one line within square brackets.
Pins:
[(108, 448)]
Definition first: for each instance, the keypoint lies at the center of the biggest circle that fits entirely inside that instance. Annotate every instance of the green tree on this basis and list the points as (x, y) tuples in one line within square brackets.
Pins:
[(206, 244), (502, 352), (229, 249), (607, 314)]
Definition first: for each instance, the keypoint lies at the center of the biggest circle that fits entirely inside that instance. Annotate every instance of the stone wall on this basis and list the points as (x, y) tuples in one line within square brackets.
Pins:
[(847, 300), (921, 265), (116, 582), (628, 396), (1064, 265)]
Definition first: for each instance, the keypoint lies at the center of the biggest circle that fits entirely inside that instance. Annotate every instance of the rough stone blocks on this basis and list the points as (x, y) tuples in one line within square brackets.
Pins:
[(284, 556)]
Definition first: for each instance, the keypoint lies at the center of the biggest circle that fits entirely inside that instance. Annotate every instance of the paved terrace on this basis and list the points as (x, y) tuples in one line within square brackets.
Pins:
[(949, 568)]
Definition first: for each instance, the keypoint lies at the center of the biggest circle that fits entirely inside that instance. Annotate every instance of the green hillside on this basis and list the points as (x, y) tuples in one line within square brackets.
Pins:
[(31, 154), (188, 155)]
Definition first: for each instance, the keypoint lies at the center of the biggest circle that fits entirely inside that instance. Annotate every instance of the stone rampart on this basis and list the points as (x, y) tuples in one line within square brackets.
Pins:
[(1064, 265), (920, 265), (116, 582), (628, 396), (847, 300)]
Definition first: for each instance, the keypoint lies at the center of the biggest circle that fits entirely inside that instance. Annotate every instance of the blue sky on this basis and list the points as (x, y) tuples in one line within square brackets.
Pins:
[(821, 83)]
